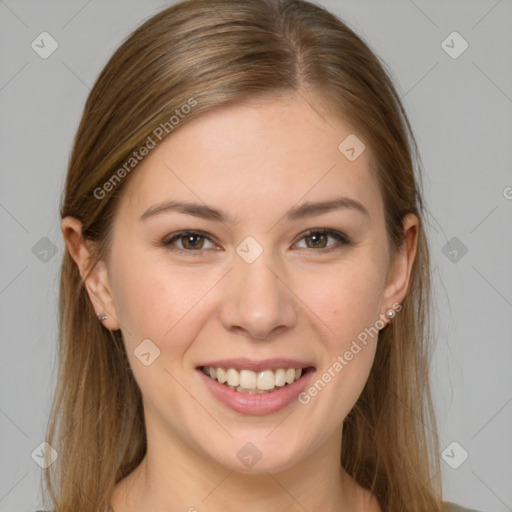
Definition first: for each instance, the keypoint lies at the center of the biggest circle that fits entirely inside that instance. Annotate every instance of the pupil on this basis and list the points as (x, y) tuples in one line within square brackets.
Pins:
[(189, 238), (315, 237)]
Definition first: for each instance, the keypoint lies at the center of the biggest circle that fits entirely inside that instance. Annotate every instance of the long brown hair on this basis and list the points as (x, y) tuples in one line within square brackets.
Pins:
[(205, 54)]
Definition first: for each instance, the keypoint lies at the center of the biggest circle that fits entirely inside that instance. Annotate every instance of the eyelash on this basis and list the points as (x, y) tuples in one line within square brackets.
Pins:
[(340, 237)]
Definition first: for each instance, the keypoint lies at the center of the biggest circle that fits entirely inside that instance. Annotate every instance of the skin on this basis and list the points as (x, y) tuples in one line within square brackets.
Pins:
[(255, 161)]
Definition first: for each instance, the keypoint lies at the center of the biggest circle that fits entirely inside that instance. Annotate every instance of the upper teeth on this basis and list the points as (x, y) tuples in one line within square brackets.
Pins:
[(247, 379)]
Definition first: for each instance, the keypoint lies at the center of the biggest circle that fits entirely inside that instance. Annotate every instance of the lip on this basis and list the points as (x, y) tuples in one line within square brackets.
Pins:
[(258, 366), (257, 405)]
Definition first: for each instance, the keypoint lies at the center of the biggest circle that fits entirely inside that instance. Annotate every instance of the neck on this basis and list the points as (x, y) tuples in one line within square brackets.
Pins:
[(173, 476)]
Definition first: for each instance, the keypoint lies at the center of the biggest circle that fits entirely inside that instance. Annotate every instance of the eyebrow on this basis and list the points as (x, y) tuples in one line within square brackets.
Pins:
[(298, 212)]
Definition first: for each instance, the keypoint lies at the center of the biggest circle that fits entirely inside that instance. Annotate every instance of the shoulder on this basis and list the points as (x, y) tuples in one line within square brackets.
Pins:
[(453, 507)]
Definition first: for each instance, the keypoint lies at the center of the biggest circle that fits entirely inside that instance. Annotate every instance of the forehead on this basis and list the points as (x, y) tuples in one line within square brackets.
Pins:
[(250, 157)]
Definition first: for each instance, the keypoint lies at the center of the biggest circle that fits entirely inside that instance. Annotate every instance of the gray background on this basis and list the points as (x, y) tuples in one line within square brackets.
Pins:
[(461, 112)]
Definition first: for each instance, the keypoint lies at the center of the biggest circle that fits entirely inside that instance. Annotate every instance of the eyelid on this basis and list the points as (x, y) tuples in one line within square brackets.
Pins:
[(342, 240), (167, 241), (341, 237)]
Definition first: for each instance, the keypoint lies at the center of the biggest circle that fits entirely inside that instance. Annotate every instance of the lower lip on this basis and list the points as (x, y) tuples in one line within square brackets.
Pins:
[(257, 405)]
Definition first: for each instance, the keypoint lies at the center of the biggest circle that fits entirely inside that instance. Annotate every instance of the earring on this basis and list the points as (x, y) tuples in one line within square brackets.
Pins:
[(101, 317), (390, 313)]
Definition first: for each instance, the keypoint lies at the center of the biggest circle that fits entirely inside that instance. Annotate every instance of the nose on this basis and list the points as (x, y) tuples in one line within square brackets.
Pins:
[(257, 300)]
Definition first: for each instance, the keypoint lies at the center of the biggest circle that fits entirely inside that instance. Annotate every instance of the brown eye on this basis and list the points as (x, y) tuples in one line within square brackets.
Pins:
[(194, 241), (191, 241), (317, 239)]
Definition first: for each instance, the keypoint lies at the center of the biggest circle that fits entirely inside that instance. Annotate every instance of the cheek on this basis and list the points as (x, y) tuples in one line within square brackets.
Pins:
[(346, 298), (349, 305), (159, 301), (142, 295)]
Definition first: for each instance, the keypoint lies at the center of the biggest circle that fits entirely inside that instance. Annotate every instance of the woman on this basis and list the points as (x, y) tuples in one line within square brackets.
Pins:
[(245, 292)]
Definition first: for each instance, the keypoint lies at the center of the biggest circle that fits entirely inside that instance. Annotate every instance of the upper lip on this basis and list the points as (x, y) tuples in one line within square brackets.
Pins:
[(257, 366)]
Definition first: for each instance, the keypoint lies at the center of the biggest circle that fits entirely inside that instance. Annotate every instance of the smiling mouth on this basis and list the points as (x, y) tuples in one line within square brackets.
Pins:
[(255, 383)]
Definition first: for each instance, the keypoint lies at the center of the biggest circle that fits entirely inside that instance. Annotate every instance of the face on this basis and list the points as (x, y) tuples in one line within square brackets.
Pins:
[(258, 281)]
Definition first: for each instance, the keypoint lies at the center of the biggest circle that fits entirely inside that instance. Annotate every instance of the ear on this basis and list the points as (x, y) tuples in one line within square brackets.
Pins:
[(399, 273), (96, 280)]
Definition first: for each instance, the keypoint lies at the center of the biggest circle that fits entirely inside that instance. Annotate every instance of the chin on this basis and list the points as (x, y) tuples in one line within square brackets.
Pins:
[(258, 457)]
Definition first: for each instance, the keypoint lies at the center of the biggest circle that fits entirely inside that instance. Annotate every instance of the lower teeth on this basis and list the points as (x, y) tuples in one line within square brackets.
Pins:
[(253, 391), (245, 391)]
